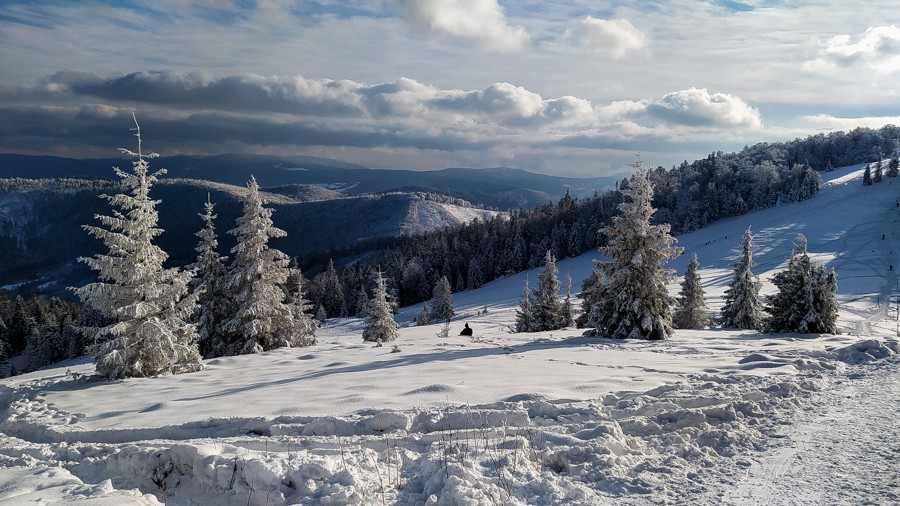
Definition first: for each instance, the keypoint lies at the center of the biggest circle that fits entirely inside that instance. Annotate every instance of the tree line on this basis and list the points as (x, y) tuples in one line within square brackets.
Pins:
[(626, 296)]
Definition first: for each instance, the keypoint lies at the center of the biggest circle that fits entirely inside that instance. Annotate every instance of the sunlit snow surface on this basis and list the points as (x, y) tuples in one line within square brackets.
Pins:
[(709, 417)]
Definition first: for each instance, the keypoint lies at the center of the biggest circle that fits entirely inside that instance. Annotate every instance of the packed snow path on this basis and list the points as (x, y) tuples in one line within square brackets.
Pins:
[(844, 450)]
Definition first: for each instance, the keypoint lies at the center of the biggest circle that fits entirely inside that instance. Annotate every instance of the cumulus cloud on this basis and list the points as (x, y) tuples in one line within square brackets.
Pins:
[(877, 49), (481, 21), (616, 37), (697, 107)]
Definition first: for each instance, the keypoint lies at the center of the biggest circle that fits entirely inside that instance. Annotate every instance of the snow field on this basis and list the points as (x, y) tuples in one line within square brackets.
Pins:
[(708, 417)]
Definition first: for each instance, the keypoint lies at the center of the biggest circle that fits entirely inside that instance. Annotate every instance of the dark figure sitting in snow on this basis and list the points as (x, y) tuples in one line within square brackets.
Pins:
[(466, 331)]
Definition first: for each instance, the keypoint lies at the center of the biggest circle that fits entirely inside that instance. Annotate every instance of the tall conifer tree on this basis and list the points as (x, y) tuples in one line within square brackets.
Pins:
[(635, 303), (210, 284), (149, 305), (743, 307), (262, 320)]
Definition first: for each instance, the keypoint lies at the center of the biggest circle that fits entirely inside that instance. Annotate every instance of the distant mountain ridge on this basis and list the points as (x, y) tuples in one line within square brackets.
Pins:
[(502, 188)]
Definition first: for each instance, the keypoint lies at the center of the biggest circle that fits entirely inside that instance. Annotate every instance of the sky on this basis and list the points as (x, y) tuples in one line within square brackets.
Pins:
[(568, 87)]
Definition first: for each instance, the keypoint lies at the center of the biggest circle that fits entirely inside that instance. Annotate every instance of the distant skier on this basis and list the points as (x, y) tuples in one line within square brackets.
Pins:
[(466, 331)]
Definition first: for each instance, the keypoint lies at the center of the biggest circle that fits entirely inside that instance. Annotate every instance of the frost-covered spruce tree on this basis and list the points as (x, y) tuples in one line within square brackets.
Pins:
[(304, 324), (743, 307), (332, 292), (867, 176), (525, 313), (261, 320), (442, 301), (149, 305), (691, 311), (546, 306), (380, 324), (568, 308), (210, 285), (893, 167), (422, 319), (805, 301), (635, 303), (591, 292)]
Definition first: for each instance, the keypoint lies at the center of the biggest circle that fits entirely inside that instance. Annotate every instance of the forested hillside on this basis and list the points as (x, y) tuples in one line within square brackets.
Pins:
[(688, 196)]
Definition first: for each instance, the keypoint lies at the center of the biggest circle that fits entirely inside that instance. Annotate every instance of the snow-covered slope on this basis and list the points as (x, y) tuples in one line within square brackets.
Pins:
[(709, 417), (427, 215)]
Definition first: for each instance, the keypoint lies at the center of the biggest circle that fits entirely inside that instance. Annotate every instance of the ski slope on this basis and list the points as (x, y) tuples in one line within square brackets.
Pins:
[(709, 417)]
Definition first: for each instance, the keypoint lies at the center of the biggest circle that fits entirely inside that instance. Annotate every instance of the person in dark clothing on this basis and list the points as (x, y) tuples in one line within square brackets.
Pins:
[(466, 331)]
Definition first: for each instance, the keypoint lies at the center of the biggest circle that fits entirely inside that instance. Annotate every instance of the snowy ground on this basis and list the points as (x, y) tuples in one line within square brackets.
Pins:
[(709, 417)]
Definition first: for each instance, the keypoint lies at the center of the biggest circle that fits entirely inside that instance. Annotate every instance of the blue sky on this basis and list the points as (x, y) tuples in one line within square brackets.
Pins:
[(565, 87)]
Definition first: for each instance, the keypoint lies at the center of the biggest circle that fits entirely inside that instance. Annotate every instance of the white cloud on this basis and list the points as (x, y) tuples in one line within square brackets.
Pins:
[(828, 123), (482, 21), (697, 107), (877, 49), (616, 37)]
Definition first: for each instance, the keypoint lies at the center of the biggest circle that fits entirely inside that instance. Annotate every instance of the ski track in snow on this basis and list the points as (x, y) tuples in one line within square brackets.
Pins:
[(709, 417), (845, 449)]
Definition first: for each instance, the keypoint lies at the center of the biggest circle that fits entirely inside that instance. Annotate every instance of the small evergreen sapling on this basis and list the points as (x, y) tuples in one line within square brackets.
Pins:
[(568, 308), (422, 320), (691, 311), (442, 301), (525, 313), (548, 314), (380, 324), (304, 324)]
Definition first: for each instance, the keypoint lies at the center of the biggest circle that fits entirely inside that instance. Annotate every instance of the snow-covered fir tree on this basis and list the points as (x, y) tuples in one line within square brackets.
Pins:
[(362, 302), (332, 293), (867, 176), (591, 291), (423, 318), (568, 308), (304, 324), (634, 303), (210, 285), (525, 312), (148, 304), (442, 301), (877, 173), (893, 167), (262, 319), (805, 301), (546, 306), (691, 311), (743, 306), (380, 324)]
